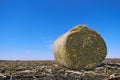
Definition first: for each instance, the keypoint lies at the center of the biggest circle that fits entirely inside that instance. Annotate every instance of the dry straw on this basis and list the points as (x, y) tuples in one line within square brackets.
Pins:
[(80, 48)]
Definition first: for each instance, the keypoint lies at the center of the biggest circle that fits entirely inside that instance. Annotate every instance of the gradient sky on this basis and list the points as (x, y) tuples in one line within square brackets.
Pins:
[(28, 28)]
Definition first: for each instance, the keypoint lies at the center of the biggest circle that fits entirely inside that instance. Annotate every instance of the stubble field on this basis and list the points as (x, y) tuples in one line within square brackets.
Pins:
[(50, 70)]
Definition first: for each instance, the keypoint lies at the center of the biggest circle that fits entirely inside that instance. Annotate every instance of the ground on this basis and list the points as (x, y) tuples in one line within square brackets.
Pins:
[(50, 70)]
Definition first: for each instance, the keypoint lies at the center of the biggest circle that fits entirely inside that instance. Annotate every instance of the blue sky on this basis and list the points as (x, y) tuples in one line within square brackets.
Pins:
[(28, 28)]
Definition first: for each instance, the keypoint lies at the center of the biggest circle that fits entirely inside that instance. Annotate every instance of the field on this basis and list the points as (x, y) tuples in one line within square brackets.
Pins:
[(49, 70)]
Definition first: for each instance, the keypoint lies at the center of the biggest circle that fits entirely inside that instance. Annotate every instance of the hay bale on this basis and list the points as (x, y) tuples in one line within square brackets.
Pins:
[(80, 48)]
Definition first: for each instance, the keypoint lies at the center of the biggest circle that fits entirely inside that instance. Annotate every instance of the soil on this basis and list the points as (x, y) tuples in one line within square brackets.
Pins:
[(50, 70)]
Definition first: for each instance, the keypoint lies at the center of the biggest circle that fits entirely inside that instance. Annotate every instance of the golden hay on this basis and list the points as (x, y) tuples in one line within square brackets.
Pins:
[(80, 48)]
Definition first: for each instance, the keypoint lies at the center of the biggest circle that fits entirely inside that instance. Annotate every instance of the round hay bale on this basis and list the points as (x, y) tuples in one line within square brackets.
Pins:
[(80, 48)]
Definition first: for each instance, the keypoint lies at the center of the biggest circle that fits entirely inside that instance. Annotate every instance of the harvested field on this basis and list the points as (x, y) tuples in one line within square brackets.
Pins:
[(49, 70)]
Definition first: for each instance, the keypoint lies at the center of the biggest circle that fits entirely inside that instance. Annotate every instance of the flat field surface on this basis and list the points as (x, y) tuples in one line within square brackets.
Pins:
[(50, 70)]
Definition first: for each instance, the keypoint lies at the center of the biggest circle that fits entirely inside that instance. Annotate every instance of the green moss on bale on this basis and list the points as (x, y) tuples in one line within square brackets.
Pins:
[(80, 48)]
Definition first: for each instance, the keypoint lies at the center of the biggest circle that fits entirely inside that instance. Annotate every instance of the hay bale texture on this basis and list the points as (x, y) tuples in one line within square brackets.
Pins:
[(81, 48)]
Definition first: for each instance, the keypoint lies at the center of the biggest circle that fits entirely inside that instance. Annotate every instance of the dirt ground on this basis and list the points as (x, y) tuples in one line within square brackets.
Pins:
[(49, 70)]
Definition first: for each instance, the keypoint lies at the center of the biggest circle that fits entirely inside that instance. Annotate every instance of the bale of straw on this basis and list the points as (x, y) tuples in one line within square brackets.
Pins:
[(80, 48)]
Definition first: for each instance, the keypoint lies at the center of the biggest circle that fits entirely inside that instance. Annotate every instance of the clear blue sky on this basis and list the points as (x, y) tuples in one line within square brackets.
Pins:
[(28, 28)]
